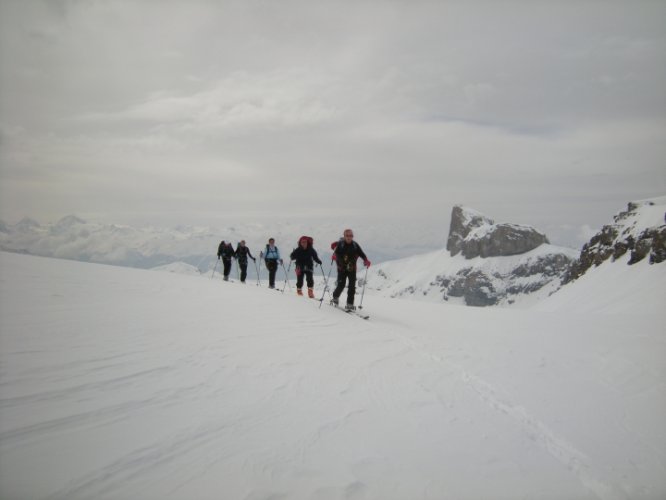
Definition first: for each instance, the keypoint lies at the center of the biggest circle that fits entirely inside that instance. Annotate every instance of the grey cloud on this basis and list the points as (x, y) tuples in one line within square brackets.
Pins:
[(364, 109)]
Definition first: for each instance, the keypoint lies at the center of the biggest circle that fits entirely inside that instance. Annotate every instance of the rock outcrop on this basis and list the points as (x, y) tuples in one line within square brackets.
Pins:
[(489, 285), (515, 261), (463, 222), (474, 235), (639, 231)]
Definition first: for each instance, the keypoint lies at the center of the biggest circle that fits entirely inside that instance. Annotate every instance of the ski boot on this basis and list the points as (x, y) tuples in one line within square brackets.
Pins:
[(334, 301), (311, 293), (299, 292), (350, 307)]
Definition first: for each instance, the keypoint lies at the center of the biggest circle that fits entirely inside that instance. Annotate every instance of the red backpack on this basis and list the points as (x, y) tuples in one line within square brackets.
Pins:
[(308, 239)]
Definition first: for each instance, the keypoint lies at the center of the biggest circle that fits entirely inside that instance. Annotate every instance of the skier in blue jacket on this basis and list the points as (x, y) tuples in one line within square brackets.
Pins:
[(271, 256)]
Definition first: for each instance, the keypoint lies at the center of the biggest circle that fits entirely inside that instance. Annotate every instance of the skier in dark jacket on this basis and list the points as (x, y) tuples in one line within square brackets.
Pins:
[(345, 253), (226, 252), (304, 255), (271, 256), (242, 253)]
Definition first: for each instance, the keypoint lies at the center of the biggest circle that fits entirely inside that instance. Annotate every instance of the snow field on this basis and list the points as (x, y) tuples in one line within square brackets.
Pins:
[(121, 383)]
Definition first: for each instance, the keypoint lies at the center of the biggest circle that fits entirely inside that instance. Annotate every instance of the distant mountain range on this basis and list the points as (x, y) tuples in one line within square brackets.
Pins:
[(148, 247)]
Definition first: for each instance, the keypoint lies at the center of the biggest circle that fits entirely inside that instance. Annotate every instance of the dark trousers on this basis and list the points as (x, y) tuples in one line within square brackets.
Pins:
[(343, 276), (304, 273), (272, 266), (227, 266), (243, 270)]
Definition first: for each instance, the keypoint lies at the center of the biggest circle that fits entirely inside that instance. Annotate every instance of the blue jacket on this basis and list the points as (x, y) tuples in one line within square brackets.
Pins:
[(271, 253)]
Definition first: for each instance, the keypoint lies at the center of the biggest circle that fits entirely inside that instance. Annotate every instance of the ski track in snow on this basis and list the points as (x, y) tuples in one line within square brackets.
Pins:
[(536, 430)]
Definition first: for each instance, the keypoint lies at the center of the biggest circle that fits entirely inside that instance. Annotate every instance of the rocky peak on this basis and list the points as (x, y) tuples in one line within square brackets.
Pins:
[(463, 221), (640, 230), (475, 235)]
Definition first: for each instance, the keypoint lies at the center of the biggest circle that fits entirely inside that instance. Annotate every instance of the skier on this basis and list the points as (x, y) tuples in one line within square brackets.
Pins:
[(346, 252), (242, 253), (226, 252), (304, 255), (271, 256)]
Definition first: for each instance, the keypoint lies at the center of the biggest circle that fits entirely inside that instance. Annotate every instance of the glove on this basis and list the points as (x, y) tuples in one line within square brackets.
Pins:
[(367, 263), (218, 257), (281, 263), (254, 260), (261, 255), (334, 257)]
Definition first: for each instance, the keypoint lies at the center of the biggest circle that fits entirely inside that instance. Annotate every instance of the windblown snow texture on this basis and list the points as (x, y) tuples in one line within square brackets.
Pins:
[(120, 383)]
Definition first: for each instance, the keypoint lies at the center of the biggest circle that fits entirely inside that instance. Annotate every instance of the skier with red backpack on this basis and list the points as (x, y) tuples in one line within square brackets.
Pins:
[(345, 253), (305, 256)]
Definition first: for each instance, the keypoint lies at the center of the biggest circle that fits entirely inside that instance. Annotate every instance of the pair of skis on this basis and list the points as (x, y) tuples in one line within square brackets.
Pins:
[(355, 312)]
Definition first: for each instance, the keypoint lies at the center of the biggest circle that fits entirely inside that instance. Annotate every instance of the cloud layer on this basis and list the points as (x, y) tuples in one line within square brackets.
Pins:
[(548, 113)]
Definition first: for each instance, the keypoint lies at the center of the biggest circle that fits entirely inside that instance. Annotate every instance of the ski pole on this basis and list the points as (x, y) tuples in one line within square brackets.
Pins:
[(365, 280), (286, 276), (257, 269), (216, 263), (326, 278)]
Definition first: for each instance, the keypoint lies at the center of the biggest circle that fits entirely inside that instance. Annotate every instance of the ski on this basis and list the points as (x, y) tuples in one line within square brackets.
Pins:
[(359, 314), (352, 311)]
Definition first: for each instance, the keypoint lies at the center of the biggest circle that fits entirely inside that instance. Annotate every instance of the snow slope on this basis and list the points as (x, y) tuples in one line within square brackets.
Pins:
[(613, 287), (120, 383)]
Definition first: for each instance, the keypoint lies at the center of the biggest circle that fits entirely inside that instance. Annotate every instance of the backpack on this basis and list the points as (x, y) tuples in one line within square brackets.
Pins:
[(342, 244), (277, 251), (308, 238)]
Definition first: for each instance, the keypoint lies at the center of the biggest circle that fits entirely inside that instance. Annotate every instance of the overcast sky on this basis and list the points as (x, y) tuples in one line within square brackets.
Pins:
[(199, 112)]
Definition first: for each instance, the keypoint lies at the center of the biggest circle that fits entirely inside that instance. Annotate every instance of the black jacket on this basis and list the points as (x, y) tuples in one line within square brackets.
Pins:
[(347, 255), (242, 253), (304, 257), (226, 251)]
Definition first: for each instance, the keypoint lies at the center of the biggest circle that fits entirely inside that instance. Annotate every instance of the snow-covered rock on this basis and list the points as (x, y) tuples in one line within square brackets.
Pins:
[(463, 221), (639, 231), (489, 264), (475, 235), (437, 276)]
